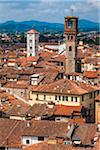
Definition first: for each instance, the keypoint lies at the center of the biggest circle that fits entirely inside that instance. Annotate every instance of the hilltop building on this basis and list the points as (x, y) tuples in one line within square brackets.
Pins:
[(32, 43)]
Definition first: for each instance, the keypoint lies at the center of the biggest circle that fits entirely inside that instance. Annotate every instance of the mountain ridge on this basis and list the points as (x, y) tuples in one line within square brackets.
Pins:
[(41, 26)]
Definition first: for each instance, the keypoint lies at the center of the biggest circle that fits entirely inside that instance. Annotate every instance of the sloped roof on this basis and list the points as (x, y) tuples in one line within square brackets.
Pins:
[(66, 110), (85, 132), (11, 131), (91, 74), (32, 31), (67, 87)]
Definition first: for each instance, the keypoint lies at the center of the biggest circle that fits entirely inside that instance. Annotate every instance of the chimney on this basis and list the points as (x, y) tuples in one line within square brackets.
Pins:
[(28, 123), (69, 126)]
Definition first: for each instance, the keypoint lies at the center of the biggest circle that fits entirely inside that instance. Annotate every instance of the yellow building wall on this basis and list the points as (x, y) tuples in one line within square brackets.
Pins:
[(97, 112), (51, 97)]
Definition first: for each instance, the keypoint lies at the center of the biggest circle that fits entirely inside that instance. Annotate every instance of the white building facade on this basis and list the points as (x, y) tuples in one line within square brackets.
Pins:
[(32, 43)]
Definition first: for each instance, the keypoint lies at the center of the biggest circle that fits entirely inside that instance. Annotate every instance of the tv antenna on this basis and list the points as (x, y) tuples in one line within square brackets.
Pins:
[(72, 11)]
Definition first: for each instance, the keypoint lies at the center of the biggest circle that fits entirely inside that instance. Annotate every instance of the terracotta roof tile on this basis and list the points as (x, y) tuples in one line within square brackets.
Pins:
[(66, 87), (86, 133), (32, 31), (46, 146), (91, 74), (66, 110)]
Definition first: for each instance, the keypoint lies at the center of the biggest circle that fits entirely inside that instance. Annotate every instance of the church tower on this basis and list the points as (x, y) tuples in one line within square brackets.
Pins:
[(32, 43), (71, 30)]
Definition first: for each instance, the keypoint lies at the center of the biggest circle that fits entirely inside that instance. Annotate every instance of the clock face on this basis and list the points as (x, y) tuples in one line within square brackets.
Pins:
[(71, 23)]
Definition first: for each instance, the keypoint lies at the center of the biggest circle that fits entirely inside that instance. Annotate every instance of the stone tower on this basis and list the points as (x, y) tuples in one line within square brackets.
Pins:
[(71, 30), (32, 43)]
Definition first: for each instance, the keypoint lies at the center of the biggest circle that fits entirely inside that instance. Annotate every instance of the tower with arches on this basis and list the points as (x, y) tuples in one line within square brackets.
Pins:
[(71, 30)]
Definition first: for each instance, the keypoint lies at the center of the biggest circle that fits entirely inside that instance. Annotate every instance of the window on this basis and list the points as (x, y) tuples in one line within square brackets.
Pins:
[(44, 97), (75, 78), (59, 98), (30, 41), (62, 63), (90, 106), (69, 77), (56, 97), (27, 141), (63, 98), (82, 98), (35, 46), (41, 138), (68, 37), (37, 96), (75, 99), (90, 95), (71, 37), (71, 23), (72, 99), (30, 47), (66, 98), (2, 148), (70, 48), (98, 92), (21, 93)]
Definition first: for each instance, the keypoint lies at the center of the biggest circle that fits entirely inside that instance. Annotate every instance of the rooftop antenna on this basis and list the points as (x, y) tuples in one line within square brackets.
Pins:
[(72, 11)]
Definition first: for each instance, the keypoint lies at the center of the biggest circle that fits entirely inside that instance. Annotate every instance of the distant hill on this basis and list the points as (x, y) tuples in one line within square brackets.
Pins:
[(86, 25), (13, 26)]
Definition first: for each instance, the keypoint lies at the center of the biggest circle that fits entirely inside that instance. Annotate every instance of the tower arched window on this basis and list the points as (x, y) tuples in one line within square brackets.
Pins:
[(68, 37), (71, 23), (70, 48), (71, 37)]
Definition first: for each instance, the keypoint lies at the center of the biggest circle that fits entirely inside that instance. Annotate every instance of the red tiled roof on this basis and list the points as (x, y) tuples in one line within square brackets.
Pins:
[(66, 110), (77, 120), (32, 31), (46, 146), (85, 132), (11, 105), (67, 87), (19, 84), (91, 74), (11, 131), (32, 58)]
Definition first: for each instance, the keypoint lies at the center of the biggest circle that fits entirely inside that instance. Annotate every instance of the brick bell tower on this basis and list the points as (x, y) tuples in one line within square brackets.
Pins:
[(71, 30)]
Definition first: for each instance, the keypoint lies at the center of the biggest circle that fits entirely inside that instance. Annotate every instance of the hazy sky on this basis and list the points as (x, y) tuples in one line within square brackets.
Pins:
[(48, 10)]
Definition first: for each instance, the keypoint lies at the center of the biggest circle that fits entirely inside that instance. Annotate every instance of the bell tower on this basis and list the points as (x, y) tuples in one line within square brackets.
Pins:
[(71, 30)]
